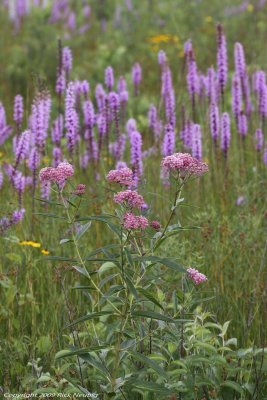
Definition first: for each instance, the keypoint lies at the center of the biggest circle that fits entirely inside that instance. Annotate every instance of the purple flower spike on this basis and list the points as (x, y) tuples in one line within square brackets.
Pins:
[(122, 85), (214, 122), (109, 78), (89, 114), (259, 139), (168, 144), (1, 179), (222, 64), (22, 148), (71, 118), (225, 133), (211, 85), (57, 129), (67, 60), (192, 77), (60, 82), (265, 156), (18, 110), (34, 159), (131, 126), (100, 95), (197, 142), (162, 58), (136, 77), (236, 97), (242, 124), (240, 63), (152, 117), (136, 155)]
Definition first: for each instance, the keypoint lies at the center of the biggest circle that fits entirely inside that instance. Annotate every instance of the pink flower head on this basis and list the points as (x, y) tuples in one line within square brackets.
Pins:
[(130, 197), (196, 276), (185, 164), (155, 225), (58, 174), (123, 176), (80, 189), (47, 174), (131, 221)]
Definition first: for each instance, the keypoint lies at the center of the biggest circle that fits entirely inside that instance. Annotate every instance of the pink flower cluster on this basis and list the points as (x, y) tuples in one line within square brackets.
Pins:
[(131, 198), (80, 189), (123, 176), (155, 225), (196, 276), (131, 221), (185, 163), (59, 174)]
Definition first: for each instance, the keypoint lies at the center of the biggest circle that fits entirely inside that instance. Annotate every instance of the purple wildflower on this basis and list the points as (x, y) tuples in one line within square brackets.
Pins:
[(57, 129), (240, 63), (222, 65), (18, 110), (197, 142), (162, 58), (225, 133), (22, 148), (109, 78), (136, 155), (67, 60), (136, 77), (242, 124), (168, 144), (236, 96), (259, 139), (214, 122), (192, 77)]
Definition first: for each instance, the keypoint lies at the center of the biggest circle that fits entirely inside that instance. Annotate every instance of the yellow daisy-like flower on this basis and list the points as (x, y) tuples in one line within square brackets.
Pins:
[(30, 243), (45, 252), (208, 19), (46, 160)]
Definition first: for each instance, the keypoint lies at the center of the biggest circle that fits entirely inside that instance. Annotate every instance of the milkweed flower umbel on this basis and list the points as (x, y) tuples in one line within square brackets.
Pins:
[(130, 197), (59, 174), (80, 189), (123, 176), (131, 221), (185, 164), (196, 276)]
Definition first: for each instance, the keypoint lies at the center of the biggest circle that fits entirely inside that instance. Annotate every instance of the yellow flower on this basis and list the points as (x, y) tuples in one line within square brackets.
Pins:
[(30, 243), (45, 252), (46, 160), (208, 19), (250, 7)]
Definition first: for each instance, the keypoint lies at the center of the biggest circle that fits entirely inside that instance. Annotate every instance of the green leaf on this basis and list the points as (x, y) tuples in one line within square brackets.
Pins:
[(49, 202), (105, 219), (50, 215), (63, 241), (233, 385), (78, 352), (129, 257), (149, 296), (96, 364), (83, 229), (106, 267), (152, 315), (89, 316), (165, 261), (151, 387), (59, 258), (147, 361), (131, 287)]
